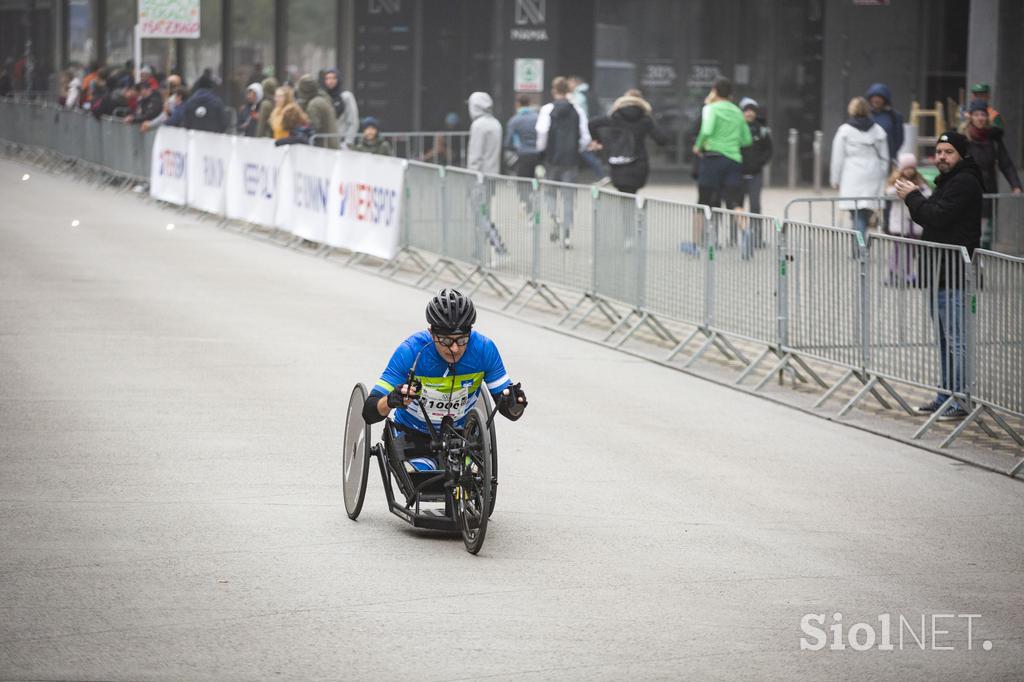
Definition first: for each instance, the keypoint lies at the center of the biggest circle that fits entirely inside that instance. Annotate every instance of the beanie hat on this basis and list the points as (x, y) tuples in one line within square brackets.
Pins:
[(256, 88), (979, 87), (956, 139), (749, 103), (907, 160), (977, 105), (369, 121)]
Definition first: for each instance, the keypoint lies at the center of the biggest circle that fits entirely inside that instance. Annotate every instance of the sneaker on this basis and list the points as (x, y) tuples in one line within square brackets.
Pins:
[(566, 244), (953, 413), (930, 407)]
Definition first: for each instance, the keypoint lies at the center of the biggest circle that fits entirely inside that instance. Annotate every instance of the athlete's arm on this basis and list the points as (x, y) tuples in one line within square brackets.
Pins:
[(378, 405)]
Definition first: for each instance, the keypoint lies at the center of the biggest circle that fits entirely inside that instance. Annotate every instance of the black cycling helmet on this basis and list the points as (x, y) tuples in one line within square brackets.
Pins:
[(451, 312)]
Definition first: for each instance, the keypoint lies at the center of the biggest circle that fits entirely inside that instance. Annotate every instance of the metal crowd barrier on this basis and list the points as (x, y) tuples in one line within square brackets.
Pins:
[(1002, 226), (443, 147), (104, 143), (885, 310)]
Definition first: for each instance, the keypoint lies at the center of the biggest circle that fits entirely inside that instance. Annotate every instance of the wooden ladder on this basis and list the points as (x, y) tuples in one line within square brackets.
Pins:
[(937, 119)]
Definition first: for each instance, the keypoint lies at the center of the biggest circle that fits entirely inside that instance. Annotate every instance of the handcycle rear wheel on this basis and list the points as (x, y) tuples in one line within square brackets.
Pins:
[(355, 457), (473, 497)]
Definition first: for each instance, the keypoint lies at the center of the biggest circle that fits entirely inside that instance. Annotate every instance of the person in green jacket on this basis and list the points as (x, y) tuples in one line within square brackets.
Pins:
[(266, 105), (723, 133), (320, 111), (370, 141)]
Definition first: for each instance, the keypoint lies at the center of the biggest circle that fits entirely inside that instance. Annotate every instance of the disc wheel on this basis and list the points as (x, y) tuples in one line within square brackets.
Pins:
[(473, 495), (356, 454), (487, 406)]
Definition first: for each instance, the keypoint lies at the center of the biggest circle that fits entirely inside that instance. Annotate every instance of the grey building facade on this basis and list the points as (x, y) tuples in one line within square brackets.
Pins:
[(411, 62)]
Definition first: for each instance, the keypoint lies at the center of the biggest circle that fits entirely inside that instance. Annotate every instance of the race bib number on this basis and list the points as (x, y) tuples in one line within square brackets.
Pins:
[(439, 404), (444, 396)]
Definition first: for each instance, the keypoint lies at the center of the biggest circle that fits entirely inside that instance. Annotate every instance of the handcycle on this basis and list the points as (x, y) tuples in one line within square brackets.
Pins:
[(457, 497)]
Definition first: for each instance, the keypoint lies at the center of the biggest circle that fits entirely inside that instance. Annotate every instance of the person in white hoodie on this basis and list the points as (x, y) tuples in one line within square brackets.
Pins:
[(860, 163), (485, 152), (484, 135)]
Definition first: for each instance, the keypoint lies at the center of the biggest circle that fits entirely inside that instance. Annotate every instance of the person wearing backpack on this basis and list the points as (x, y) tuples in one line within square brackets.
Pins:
[(622, 136), (561, 135)]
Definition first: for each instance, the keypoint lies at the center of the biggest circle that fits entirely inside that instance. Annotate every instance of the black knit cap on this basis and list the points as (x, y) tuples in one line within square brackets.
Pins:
[(958, 140)]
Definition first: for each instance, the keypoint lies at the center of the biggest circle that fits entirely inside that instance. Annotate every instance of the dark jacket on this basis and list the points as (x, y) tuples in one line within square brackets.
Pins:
[(952, 215), (759, 153), (248, 119), (564, 136), (989, 153), (318, 108), (204, 110), (149, 107), (888, 118), (632, 114)]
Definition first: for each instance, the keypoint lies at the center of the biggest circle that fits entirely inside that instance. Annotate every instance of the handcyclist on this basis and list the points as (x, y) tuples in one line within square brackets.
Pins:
[(448, 365)]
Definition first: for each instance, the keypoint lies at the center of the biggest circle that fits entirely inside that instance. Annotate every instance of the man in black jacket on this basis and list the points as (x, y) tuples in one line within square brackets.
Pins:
[(952, 215)]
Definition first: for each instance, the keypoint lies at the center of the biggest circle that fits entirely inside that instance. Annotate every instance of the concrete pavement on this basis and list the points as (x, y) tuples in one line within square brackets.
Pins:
[(171, 404)]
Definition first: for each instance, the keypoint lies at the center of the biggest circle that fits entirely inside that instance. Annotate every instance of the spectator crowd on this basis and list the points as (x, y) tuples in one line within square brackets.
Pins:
[(565, 139)]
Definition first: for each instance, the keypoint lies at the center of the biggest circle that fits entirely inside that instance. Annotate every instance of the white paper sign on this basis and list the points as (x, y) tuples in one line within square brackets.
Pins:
[(168, 174), (209, 155), (366, 203), (169, 18), (252, 179), (304, 185)]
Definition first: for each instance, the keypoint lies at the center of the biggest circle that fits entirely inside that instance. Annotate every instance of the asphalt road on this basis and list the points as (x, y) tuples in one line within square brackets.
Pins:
[(171, 412)]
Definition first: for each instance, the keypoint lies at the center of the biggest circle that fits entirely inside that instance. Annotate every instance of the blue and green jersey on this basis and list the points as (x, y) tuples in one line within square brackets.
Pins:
[(445, 391)]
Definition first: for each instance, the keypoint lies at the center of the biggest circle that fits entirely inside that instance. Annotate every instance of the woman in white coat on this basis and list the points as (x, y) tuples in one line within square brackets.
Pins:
[(860, 162)]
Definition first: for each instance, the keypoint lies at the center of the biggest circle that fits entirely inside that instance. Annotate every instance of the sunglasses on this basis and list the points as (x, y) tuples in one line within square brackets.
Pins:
[(449, 341)]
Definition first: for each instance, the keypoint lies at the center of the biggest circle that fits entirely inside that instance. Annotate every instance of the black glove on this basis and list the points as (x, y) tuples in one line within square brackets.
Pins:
[(396, 399), (510, 405)]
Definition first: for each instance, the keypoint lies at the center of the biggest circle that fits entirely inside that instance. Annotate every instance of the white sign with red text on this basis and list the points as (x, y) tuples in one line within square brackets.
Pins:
[(168, 173), (366, 203)]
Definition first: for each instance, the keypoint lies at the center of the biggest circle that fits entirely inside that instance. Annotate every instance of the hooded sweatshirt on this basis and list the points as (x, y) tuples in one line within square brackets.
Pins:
[(345, 108), (484, 135), (632, 116), (890, 119), (317, 106)]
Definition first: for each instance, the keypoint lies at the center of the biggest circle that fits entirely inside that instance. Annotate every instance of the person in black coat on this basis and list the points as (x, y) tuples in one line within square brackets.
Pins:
[(622, 136), (757, 155), (204, 110), (986, 147), (952, 215)]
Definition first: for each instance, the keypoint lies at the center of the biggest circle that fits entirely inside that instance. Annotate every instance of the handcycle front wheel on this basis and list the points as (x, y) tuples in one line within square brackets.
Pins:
[(473, 496), (487, 405), (355, 456)]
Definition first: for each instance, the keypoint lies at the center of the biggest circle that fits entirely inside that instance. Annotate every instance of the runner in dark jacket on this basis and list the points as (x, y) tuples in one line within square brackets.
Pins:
[(631, 116)]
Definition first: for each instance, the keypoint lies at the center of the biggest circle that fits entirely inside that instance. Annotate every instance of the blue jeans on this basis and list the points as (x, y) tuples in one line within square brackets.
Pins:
[(561, 174), (861, 219), (950, 304), (593, 163)]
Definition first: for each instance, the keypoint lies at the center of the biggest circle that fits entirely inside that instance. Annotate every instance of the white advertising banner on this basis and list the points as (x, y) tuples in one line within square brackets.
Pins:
[(209, 155), (303, 186), (168, 178), (365, 203), (252, 179)]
